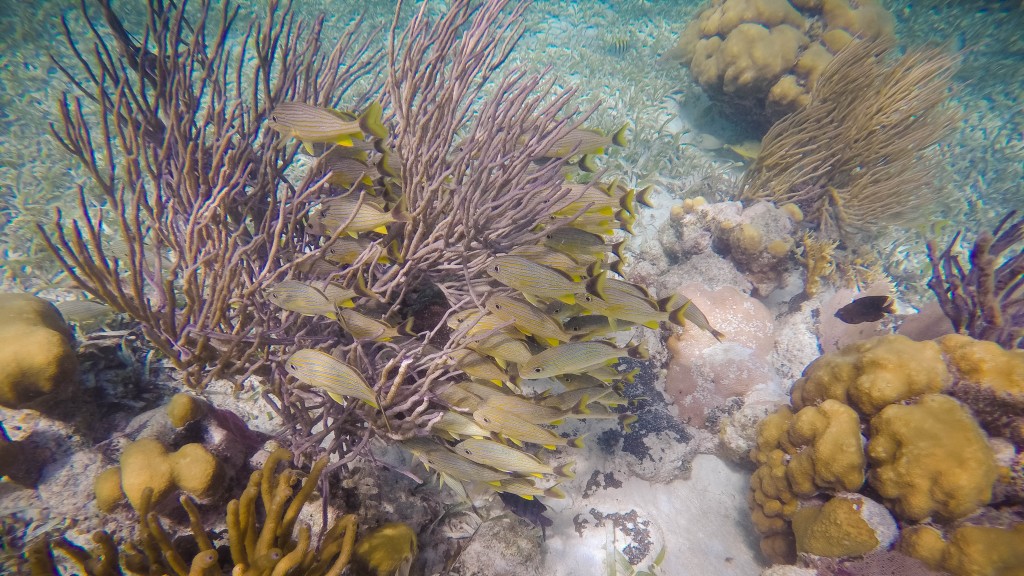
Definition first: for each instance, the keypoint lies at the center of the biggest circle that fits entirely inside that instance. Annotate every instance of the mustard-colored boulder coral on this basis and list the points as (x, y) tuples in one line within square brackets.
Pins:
[(107, 487), (184, 408), (762, 58), (930, 459), (870, 375), (969, 550), (36, 359), (146, 463), (985, 551), (990, 380), (847, 525), (830, 449), (196, 471)]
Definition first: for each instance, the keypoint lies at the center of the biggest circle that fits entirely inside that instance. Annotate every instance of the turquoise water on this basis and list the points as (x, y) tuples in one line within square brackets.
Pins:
[(635, 494)]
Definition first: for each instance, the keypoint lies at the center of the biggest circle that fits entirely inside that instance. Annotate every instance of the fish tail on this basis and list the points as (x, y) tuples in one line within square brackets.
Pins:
[(628, 201), (631, 375), (554, 492), (581, 406), (618, 247), (596, 284), (639, 351), (361, 289), (678, 316), (401, 210), (566, 470), (627, 421), (643, 196), (588, 163), (383, 164), (395, 252), (619, 138), (618, 268), (575, 442), (371, 122), (405, 328)]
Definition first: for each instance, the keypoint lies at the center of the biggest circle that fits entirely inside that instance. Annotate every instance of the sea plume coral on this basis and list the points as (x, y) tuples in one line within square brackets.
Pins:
[(857, 155), (195, 217)]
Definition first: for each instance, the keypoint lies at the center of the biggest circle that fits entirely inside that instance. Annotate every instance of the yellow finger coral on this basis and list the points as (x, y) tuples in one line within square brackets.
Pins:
[(930, 459)]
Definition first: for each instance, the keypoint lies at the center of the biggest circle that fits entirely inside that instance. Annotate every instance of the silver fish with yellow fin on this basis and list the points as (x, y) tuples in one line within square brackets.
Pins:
[(501, 457), (301, 297), (527, 318), (576, 357), (490, 416), (534, 279), (310, 124), (585, 141), (336, 378)]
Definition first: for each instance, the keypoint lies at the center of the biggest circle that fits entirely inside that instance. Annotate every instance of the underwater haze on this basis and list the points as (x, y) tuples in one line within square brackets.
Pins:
[(507, 287)]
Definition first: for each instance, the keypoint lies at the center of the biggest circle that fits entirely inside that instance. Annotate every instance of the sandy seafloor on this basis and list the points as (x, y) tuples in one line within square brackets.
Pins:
[(673, 486)]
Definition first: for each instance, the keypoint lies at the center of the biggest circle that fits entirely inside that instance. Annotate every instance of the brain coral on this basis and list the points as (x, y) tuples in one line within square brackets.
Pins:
[(761, 58)]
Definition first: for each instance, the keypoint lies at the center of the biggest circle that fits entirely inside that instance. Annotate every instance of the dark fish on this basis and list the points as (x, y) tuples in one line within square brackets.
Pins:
[(867, 309), (530, 510)]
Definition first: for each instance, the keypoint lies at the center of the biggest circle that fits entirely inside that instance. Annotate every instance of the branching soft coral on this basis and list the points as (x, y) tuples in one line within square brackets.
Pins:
[(986, 300), (857, 155)]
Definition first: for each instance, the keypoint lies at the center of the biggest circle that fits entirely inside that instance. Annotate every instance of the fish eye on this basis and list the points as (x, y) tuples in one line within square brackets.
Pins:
[(537, 370), (496, 268)]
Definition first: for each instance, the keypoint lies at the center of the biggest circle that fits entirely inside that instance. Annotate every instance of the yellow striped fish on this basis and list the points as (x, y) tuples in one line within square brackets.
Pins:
[(449, 463), (335, 213), (495, 455), (502, 347), (365, 328), (526, 409), (527, 318), (301, 297), (458, 425), (517, 429), (476, 365), (312, 124), (321, 370), (585, 141), (576, 357), (527, 489), (534, 279)]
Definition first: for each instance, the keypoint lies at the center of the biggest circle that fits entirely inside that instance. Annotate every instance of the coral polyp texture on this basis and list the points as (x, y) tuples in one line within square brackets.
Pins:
[(881, 419), (36, 358), (760, 59)]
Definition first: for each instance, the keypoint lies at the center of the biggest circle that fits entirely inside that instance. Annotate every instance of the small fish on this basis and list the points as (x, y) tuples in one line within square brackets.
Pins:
[(529, 410), (481, 321), (576, 357), (84, 312), (552, 258), (501, 457), (300, 297), (867, 309), (459, 426), (519, 430), (321, 370), (476, 365), (365, 328), (345, 250), (527, 318), (345, 169), (343, 213), (450, 463), (502, 347), (534, 279), (692, 314), (311, 124), (593, 326), (618, 45), (576, 242), (749, 150), (585, 141), (459, 399), (526, 488)]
